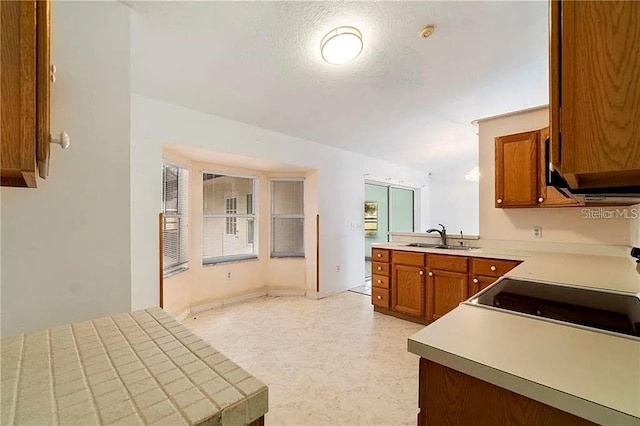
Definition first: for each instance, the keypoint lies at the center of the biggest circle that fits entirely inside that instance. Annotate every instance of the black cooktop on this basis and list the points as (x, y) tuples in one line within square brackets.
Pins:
[(592, 308)]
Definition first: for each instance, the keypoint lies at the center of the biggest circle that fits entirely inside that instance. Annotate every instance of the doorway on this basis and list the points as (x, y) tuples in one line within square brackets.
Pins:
[(387, 208)]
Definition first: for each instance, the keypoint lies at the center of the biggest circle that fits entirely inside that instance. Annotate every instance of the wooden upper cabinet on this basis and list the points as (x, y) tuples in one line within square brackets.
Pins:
[(594, 92), (521, 172), (24, 91), (517, 170)]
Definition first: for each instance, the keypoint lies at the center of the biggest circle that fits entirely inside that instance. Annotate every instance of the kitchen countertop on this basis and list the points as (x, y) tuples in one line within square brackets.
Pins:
[(142, 367), (590, 374), (585, 270)]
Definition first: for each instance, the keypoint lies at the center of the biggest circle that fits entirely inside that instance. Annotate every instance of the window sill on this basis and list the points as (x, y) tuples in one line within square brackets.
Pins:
[(214, 262), (174, 272), (288, 256)]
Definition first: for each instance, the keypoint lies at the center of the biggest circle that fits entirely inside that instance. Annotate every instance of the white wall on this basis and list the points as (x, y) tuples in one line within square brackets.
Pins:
[(635, 228), (340, 186), (563, 225), (65, 245), (453, 202)]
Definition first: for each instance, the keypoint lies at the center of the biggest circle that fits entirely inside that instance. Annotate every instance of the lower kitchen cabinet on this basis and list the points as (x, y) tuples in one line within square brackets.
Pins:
[(408, 286), (449, 397), (380, 297), (479, 283), (445, 291)]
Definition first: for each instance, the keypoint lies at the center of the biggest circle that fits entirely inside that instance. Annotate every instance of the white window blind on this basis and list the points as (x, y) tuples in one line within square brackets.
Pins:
[(228, 232), (287, 218), (175, 204)]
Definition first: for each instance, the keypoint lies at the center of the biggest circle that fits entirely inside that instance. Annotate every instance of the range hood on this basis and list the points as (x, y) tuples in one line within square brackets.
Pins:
[(614, 195)]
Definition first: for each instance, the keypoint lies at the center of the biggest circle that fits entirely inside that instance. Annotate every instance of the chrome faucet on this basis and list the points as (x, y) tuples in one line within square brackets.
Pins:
[(443, 233)]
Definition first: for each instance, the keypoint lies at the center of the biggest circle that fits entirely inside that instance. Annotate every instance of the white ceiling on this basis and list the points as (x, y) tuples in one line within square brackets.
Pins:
[(404, 99)]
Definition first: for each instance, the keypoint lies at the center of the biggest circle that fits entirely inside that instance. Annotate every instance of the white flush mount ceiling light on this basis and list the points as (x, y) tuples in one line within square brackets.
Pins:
[(341, 45)]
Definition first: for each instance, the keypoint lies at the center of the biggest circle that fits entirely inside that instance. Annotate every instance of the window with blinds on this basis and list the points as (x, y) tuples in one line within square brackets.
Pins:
[(229, 230), (287, 218), (175, 205)]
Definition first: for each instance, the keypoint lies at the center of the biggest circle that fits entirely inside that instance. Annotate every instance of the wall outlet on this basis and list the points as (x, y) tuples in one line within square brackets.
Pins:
[(228, 275), (537, 231)]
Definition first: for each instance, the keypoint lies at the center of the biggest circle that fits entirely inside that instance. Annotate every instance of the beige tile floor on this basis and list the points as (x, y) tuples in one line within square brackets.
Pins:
[(326, 362)]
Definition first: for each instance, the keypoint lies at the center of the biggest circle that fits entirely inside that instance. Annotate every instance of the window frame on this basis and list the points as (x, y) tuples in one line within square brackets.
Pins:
[(177, 215), (214, 260), (274, 216)]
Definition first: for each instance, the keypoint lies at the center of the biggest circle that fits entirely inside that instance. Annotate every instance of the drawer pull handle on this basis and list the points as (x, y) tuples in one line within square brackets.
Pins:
[(379, 255), (379, 297), (493, 268), (379, 268), (379, 281), (475, 281), (430, 274)]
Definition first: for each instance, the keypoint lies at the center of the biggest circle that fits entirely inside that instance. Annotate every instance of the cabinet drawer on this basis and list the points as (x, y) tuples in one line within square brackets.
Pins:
[(443, 262), (380, 281), (407, 258), (380, 255), (380, 268), (380, 297), (492, 267)]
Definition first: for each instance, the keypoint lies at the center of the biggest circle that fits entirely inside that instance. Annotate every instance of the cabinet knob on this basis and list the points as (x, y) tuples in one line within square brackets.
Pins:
[(493, 268), (499, 200), (64, 141), (475, 281), (379, 281), (52, 73), (421, 272), (540, 199), (379, 268), (379, 297), (379, 255), (430, 273)]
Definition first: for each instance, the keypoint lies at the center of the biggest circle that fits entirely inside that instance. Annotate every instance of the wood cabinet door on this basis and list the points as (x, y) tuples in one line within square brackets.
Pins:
[(596, 51), (408, 286), (517, 170), (478, 283), (17, 78), (43, 76), (445, 291)]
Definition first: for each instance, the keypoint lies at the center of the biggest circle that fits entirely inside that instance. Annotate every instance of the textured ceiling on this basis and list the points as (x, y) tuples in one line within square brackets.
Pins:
[(404, 99)]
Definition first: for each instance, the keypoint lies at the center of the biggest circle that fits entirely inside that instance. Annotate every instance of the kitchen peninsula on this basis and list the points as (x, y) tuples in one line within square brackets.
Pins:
[(142, 367), (564, 374)]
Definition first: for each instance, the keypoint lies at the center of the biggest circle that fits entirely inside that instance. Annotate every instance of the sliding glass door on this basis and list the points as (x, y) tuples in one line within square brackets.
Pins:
[(386, 209)]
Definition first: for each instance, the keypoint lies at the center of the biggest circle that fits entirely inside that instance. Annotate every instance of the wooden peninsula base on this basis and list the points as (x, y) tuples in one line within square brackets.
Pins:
[(449, 397)]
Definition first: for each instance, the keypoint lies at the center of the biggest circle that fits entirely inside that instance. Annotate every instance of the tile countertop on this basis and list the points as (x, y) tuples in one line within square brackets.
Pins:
[(142, 367), (592, 375)]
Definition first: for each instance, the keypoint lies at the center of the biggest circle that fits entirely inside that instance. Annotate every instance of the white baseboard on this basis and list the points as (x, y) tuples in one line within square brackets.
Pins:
[(322, 295), (229, 301), (182, 316), (286, 293)]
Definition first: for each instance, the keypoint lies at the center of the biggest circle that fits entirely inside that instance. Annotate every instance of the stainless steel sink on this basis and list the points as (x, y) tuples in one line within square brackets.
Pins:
[(423, 245), (440, 246)]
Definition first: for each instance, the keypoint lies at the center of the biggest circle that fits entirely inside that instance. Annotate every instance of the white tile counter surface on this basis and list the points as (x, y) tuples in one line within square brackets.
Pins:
[(592, 375), (136, 368)]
